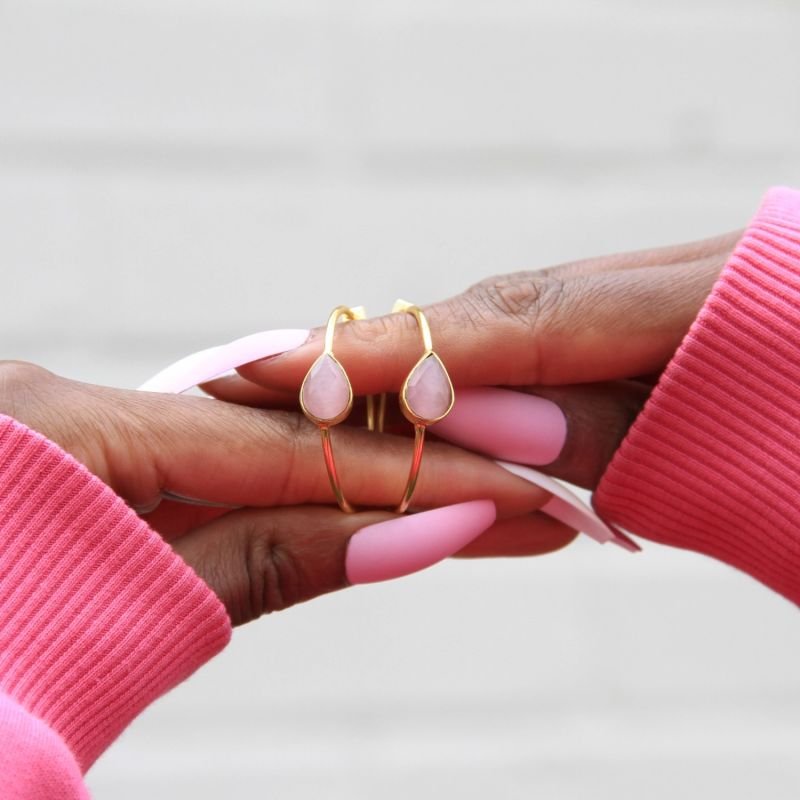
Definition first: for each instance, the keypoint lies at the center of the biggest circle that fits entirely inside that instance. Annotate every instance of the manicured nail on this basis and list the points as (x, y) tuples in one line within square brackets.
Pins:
[(266, 344), (567, 507), (624, 541), (505, 424), (209, 364), (311, 336), (412, 542)]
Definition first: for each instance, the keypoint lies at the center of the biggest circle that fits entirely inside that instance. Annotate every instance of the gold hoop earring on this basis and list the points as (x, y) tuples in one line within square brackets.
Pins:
[(326, 397), (426, 396)]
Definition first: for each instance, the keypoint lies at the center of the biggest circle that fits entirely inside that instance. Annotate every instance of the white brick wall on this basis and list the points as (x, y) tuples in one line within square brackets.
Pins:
[(173, 174)]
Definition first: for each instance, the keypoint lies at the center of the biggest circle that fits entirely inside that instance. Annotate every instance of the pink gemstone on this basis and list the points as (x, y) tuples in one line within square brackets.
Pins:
[(326, 391), (428, 390)]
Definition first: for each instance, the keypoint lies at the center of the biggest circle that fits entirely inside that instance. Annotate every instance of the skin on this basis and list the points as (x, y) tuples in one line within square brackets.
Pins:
[(593, 336), (282, 544)]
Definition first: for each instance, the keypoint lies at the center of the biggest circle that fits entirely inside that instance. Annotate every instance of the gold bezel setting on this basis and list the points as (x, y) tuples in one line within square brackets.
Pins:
[(405, 407), (329, 422), (420, 423), (325, 424)]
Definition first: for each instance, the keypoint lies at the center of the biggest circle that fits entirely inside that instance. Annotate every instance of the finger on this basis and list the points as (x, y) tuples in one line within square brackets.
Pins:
[(236, 389), (573, 431), (570, 432), (697, 255), (702, 257), (258, 561), (598, 417), (173, 519), (239, 390), (218, 452), (528, 535), (542, 329)]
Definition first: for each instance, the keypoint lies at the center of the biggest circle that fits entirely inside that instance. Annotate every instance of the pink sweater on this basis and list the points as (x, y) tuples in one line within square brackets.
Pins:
[(98, 617), (712, 463)]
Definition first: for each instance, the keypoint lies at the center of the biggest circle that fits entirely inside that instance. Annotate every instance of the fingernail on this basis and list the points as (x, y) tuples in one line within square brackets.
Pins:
[(505, 424), (413, 542), (584, 520), (310, 336), (564, 505), (208, 364), (568, 508), (624, 541), (267, 344)]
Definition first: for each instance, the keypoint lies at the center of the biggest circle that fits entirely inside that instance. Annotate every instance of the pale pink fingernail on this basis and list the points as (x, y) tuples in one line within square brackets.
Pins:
[(505, 424), (267, 344), (567, 507), (410, 543), (208, 364)]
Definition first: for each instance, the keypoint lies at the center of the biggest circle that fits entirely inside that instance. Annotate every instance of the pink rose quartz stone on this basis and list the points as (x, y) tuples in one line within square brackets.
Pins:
[(428, 390), (326, 391)]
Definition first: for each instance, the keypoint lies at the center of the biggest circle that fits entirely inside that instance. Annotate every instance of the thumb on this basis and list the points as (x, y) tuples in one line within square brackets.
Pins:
[(258, 561)]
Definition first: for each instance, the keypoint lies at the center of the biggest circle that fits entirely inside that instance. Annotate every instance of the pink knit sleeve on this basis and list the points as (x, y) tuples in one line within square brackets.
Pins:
[(98, 617), (712, 463)]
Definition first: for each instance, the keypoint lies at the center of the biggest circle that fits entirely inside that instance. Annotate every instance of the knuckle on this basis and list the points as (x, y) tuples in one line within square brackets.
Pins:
[(287, 435), (370, 333), (366, 331), (20, 384), (528, 306), (511, 299), (273, 577), (22, 374), (22, 369), (295, 436), (529, 298), (287, 427)]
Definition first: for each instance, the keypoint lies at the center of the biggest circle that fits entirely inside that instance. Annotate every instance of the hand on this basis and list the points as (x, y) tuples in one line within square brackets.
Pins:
[(258, 558), (591, 337)]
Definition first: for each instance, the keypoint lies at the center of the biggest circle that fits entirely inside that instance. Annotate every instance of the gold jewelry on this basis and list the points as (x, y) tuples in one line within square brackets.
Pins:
[(326, 397), (426, 396)]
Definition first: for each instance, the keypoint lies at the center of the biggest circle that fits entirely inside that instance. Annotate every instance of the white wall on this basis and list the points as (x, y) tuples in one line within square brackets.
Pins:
[(174, 174)]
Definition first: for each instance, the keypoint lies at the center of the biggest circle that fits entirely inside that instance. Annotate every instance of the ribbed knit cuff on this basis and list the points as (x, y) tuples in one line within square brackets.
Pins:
[(98, 617), (712, 463)]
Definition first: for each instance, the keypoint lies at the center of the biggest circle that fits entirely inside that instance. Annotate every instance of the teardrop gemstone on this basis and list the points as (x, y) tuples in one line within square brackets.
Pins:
[(428, 392), (326, 393)]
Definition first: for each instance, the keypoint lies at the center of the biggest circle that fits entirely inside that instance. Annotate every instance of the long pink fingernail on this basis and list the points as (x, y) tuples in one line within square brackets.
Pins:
[(505, 424), (410, 543), (206, 365)]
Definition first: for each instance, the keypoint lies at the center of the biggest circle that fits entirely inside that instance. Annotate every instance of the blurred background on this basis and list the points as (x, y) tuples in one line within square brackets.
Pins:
[(176, 174)]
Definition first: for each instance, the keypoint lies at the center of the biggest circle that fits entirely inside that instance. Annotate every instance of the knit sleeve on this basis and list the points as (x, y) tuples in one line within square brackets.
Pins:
[(712, 463), (98, 617)]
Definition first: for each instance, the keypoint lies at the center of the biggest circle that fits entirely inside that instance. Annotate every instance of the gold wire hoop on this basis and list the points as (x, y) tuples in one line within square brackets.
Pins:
[(327, 361), (428, 360)]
